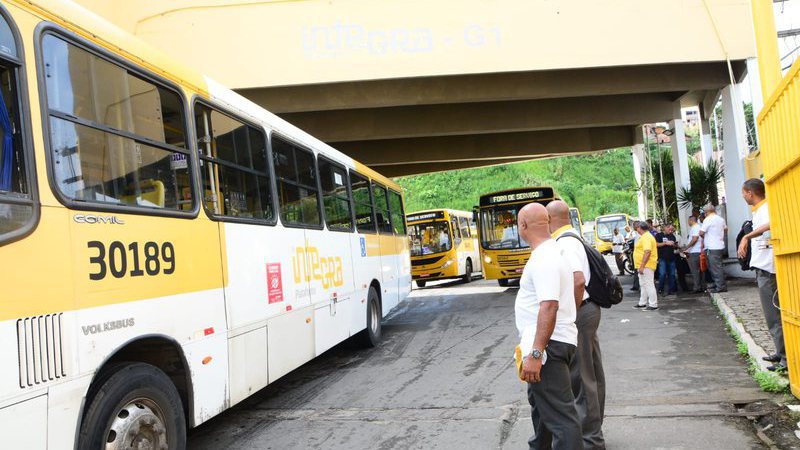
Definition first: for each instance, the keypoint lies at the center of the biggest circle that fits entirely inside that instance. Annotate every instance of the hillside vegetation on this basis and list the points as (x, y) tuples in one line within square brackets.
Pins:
[(597, 184)]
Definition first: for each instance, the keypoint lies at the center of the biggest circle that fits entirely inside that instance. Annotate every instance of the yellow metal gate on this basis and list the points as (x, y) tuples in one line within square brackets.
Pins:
[(779, 136)]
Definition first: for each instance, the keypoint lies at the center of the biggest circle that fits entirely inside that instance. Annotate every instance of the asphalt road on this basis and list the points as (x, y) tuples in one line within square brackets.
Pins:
[(443, 377)]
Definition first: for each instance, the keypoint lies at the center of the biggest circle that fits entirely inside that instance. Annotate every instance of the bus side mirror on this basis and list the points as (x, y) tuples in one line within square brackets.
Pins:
[(475, 214)]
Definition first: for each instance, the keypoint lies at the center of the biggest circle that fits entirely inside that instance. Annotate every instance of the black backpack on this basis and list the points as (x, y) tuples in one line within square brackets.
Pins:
[(747, 228), (604, 288)]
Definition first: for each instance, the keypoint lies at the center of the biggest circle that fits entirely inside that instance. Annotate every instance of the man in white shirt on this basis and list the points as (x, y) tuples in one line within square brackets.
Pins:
[(693, 249), (762, 260), (545, 316), (713, 233), (617, 246), (588, 377)]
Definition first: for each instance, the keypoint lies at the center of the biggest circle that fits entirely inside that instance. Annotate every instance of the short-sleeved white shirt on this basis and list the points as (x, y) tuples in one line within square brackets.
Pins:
[(714, 228), (617, 243), (762, 256), (547, 276), (695, 231), (576, 254)]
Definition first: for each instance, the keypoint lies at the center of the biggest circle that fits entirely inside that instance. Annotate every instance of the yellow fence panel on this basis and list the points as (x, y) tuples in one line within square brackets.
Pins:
[(779, 135)]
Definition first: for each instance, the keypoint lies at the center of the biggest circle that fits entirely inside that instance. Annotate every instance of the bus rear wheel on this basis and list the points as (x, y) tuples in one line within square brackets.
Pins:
[(133, 405), (371, 336), (467, 272), (420, 283), (503, 282)]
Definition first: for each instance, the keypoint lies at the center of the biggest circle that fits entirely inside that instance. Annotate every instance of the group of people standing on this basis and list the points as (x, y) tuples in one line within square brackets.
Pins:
[(558, 321)]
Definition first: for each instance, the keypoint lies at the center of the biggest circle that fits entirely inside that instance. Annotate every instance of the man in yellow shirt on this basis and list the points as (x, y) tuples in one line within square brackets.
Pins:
[(645, 259)]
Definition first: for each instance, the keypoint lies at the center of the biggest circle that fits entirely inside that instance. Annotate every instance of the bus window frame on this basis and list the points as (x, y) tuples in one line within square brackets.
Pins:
[(341, 166), (196, 99), (371, 201), (375, 208), (26, 134), (402, 212), (50, 28), (299, 147)]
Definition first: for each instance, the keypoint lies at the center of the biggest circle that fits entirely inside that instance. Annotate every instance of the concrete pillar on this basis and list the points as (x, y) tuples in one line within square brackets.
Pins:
[(680, 164), (706, 146), (756, 97), (637, 152), (734, 150)]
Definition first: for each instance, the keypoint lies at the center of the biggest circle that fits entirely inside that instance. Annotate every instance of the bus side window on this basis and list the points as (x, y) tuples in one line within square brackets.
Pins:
[(116, 137), (333, 178), (462, 222), (236, 179), (456, 230), (362, 203), (398, 215), (16, 196), (382, 214), (296, 171)]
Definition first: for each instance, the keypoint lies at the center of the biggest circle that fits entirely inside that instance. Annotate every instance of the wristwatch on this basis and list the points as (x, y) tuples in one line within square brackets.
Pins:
[(536, 354)]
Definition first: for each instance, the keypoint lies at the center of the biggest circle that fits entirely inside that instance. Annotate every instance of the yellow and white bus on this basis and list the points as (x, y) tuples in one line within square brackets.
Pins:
[(575, 219), (503, 252), (168, 248), (444, 245), (604, 230)]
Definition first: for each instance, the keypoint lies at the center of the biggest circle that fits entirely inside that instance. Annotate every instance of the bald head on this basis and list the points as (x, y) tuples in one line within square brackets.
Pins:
[(559, 214), (534, 224)]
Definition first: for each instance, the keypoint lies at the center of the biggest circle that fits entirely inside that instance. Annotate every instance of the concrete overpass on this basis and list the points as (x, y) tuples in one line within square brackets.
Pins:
[(419, 86)]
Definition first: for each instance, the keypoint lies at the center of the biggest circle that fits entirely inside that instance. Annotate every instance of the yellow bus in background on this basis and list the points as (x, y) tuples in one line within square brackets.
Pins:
[(444, 245), (604, 230), (503, 252), (168, 247)]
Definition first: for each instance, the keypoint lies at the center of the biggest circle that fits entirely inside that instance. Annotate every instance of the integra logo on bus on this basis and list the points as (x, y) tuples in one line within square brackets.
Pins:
[(91, 218), (309, 265), (107, 326)]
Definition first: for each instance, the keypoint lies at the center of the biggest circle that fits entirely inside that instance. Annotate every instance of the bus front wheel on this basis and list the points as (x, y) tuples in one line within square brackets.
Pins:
[(420, 283), (371, 336), (133, 405), (468, 272), (502, 282)]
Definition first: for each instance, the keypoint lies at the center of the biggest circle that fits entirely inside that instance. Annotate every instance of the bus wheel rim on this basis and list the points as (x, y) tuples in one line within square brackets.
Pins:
[(375, 319), (139, 425)]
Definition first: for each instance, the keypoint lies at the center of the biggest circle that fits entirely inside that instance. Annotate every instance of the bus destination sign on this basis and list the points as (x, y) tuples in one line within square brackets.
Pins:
[(425, 216), (518, 196)]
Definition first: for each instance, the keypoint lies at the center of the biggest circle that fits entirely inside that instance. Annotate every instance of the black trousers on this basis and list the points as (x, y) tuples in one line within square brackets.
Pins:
[(555, 419)]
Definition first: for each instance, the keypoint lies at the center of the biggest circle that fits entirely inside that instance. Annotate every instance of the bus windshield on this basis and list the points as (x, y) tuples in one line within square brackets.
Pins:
[(429, 237), (499, 228), (605, 226)]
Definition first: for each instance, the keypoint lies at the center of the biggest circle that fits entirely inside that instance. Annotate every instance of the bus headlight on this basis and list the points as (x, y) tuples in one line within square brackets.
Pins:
[(487, 259), (447, 264)]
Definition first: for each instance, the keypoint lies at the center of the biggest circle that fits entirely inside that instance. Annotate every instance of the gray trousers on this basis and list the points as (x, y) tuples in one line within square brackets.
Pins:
[(588, 378), (767, 288), (715, 267), (555, 420), (698, 281)]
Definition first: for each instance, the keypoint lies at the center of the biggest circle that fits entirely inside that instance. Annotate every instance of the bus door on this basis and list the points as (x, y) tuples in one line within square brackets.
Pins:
[(329, 255), (458, 251), (390, 264)]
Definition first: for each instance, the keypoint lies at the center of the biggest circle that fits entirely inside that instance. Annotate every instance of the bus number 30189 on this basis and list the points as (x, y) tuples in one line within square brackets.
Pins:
[(153, 261)]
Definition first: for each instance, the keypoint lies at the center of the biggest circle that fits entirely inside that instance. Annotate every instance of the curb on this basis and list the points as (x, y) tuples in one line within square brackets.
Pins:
[(753, 349)]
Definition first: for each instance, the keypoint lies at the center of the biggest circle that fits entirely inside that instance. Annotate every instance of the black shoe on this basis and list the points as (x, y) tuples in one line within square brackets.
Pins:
[(660, 292), (777, 367), (773, 358), (699, 291), (672, 293), (651, 308), (638, 306), (635, 289)]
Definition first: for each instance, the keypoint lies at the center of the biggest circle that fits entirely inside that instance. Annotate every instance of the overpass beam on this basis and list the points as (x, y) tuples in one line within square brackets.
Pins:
[(680, 164), (484, 147), (735, 149)]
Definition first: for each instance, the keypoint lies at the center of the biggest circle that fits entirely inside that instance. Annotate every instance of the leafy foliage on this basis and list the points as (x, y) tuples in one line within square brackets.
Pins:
[(703, 189), (596, 184)]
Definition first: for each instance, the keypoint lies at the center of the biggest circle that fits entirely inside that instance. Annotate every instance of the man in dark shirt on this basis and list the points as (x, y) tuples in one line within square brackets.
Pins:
[(667, 269)]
